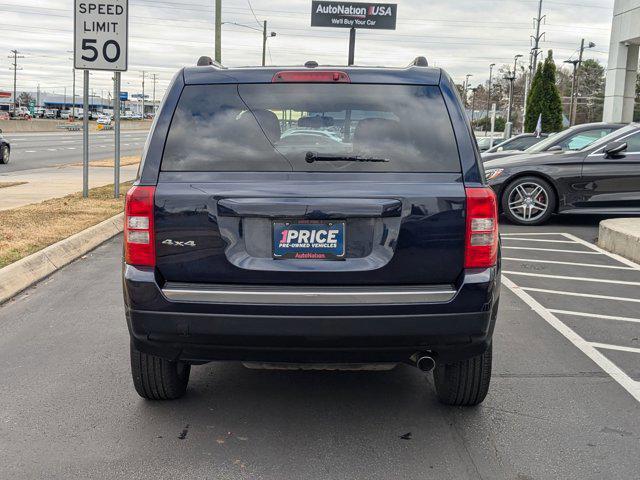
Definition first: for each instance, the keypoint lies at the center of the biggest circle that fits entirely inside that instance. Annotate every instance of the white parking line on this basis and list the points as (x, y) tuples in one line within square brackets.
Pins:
[(576, 294), (587, 348), (550, 250), (595, 315), (538, 240), (567, 277), (619, 348), (51, 149), (556, 262), (529, 233), (597, 249), (30, 151)]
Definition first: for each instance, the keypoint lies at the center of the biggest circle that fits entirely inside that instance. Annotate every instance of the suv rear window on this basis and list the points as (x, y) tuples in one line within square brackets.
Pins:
[(311, 127)]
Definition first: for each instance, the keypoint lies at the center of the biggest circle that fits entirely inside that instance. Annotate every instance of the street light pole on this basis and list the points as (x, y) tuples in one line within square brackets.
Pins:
[(466, 88), (473, 104), (489, 90)]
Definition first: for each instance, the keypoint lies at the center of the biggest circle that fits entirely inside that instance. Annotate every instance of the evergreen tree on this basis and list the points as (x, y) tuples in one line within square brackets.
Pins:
[(544, 99)]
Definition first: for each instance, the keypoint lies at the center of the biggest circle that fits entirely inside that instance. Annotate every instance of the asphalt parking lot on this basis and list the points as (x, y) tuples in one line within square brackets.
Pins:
[(564, 401)]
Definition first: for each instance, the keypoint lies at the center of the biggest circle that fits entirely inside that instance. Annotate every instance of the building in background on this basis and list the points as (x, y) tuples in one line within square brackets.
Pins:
[(622, 68)]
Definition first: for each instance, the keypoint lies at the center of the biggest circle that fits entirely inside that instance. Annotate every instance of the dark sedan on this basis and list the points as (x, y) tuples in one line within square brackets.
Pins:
[(571, 139), (603, 178), (519, 143), (5, 149)]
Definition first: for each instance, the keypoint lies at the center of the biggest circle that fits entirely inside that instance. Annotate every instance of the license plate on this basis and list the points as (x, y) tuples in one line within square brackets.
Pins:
[(309, 241)]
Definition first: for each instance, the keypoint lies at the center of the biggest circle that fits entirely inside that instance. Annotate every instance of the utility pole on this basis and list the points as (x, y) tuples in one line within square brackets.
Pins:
[(264, 41), (576, 81), (144, 74), (536, 39), (155, 79), (489, 90), (218, 46), (16, 55), (573, 88), (38, 97)]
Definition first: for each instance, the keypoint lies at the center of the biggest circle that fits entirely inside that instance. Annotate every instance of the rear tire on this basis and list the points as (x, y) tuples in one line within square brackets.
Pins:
[(4, 154), (464, 383), (156, 378), (529, 201)]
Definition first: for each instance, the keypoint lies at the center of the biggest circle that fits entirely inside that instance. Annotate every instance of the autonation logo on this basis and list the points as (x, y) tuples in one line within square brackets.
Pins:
[(353, 11)]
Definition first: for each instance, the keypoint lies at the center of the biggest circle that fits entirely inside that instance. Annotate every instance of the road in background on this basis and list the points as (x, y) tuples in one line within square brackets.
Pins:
[(37, 150), (69, 409)]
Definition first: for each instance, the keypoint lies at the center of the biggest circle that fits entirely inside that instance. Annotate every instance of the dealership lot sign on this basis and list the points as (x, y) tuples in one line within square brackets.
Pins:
[(100, 40), (353, 15)]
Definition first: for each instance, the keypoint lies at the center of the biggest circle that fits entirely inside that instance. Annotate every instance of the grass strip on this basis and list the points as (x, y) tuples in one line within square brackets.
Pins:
[(28, 229)]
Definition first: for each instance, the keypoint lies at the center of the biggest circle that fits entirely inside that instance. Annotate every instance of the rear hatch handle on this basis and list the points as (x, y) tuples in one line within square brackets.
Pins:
[(310, 208)]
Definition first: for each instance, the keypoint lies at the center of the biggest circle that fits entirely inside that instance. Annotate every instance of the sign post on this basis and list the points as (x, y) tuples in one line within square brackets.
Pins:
[(352, 15), (116, 133), (101, 38)]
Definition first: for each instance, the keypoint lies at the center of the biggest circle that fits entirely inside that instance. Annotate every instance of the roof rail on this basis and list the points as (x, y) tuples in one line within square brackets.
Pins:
[(205, 61), (419, 62)]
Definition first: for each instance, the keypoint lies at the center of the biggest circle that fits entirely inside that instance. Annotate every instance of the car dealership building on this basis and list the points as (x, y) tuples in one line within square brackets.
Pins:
[(622, 69)]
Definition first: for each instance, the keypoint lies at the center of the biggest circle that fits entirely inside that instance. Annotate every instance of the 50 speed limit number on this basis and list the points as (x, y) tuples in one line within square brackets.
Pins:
[(101, 37)]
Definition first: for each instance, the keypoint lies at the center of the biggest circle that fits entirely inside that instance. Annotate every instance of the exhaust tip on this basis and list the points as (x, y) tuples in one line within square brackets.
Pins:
[(426, 363)]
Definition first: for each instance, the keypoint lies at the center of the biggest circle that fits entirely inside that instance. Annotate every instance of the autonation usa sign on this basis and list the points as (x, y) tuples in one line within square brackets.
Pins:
[(353, 15)]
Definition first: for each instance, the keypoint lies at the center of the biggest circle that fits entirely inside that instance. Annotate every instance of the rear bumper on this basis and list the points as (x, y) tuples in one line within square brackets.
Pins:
[(197, 325)]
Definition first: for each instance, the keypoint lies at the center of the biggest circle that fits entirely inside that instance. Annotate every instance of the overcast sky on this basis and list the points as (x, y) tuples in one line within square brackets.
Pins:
[(462, 36)]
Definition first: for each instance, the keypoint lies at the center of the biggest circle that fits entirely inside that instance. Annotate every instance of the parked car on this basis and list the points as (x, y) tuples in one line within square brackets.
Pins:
[(21, 113), (603, 178), (5, 149), (51, 113), (485, 142), (517, 143), (39, 112), (574, 138), (104, 120), (237, 251)]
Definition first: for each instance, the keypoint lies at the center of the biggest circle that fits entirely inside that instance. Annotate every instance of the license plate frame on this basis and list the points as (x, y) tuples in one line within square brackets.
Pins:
[(281, 250)]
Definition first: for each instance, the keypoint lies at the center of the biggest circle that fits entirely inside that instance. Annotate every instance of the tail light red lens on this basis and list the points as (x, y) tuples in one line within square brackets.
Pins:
[(139, 238), (481, 249), (317, 76)]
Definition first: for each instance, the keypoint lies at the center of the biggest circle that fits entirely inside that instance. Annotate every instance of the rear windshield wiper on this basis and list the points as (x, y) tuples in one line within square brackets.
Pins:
[(311, 157)]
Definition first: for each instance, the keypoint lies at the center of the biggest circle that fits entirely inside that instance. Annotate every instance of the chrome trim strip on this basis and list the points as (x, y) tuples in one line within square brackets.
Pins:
[(308, 296)]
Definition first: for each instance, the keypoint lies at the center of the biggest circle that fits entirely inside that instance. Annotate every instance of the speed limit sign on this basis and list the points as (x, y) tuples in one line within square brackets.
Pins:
[(101, 37)]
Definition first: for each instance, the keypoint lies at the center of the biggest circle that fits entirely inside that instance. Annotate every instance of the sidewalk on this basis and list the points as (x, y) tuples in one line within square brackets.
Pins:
[(53, 182)]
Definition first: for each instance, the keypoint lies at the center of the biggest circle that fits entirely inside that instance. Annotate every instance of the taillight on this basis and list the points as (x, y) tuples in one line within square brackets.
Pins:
[(481, 248), (139, 239), (316, 76)]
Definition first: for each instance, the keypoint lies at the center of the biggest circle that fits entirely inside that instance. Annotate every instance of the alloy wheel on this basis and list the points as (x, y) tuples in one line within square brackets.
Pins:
[(528, 201)]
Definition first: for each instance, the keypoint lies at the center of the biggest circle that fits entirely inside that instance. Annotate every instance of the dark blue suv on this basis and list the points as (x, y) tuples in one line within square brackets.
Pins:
[(314, 217)]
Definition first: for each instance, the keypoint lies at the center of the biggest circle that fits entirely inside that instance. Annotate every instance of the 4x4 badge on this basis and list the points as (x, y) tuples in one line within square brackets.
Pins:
[(175, 243)]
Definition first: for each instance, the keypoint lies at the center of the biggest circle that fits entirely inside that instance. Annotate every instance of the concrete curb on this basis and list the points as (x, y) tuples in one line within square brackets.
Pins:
[(621, 236), (25, 272)]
